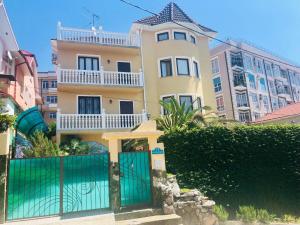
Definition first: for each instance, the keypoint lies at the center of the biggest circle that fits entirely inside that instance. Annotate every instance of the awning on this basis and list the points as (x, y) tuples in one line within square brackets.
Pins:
[(30, 121)]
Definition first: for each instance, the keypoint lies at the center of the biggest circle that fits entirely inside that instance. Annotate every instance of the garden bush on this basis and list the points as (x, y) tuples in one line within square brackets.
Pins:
[(264, 216), (220, 212), (246, 214), (239, 165)]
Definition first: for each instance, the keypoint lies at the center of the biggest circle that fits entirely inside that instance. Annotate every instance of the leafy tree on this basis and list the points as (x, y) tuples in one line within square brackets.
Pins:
[(74, 146), (42, 146), (51, 130), (180, 116), (6, 121)]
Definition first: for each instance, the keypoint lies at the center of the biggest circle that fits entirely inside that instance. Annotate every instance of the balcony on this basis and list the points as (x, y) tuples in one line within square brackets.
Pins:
[(98, 37), (101, 78), (73, 122)]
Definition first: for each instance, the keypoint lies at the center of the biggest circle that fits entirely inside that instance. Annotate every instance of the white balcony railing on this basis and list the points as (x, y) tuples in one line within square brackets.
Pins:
[(95, 36), (99, 121), (109, 78)]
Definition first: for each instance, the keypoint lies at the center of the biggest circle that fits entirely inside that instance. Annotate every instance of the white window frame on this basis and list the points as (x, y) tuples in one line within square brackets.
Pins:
[(251, 62), (77, 102), (180, 31), (159, 69), (223, 107), (189, 64), (218, 64), (220, 83), (88, 55), (161, 32), (199, 68), (164, 96)]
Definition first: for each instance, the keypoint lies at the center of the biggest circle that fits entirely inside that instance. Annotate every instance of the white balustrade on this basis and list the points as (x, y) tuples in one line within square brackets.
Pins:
[(95, 36), (109, 78), (98, 121)]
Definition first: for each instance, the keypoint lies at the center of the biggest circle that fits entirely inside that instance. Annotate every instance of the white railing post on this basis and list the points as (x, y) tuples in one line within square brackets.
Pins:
[(144, 115), (59, 31), (101, 75), (103, 119), (58, 119), (58, 73), (141, 77)]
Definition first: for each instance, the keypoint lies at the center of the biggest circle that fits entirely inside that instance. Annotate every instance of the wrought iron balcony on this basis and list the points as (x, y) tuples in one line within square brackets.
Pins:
[(99, 37), (105, 78)]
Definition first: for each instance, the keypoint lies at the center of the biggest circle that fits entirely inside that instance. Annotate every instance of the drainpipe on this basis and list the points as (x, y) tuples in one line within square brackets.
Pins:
[(142, 58)]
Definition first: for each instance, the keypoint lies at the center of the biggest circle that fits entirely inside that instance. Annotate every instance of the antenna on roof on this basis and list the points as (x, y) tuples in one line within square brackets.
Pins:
[(95, 18)]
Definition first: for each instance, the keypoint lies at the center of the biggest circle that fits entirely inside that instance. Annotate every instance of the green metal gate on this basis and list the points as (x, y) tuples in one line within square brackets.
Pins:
[(135, 179), (50, 186)]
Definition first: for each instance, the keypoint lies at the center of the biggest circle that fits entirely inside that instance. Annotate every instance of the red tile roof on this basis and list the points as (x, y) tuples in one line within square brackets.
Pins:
[(282, 113)]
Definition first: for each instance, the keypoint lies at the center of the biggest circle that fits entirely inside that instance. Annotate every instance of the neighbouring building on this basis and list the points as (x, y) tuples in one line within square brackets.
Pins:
[(18, 77), (48, 92), (110, 81), (289, 114), (250, 82)]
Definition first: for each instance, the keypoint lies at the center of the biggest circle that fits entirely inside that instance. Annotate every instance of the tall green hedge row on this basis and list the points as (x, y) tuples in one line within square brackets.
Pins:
[(239, 165)]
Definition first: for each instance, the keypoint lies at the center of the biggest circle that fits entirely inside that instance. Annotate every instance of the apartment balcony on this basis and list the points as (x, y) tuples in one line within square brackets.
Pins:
[(90, 122), (98, 37), (239, 84), (100, 78)]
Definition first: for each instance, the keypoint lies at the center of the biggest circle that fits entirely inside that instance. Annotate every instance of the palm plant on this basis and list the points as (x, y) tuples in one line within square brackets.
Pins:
[(180, 116)]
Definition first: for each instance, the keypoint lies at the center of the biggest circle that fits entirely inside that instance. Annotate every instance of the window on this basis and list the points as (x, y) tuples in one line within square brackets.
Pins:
[(167, 99), (254, 99), (51, 99), (166, 68), (238, 79), (124, 67), (283, 73), (256, 115), (248, 62), (272, 87), (281, 102), (193, 39), (262, 85), (268, 68), (53, 84), (251, 79), (88, 63), (220, 103), (276, 70), (196, 69), (266, 103), (215, 66), (244, 116), (279, 87), (183, 67), (89, 105), (217, 84), (52, 115), (187, 100), (45, 84), (274, 102), (259, 65), (236, 59), (179, 36), (241, 100), (163, 36)]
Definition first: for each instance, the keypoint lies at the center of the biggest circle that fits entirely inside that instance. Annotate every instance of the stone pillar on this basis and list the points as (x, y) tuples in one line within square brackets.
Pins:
[(3, 179)]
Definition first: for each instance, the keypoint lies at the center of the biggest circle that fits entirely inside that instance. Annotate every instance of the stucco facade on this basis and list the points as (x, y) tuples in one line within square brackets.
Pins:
[(125, 75)]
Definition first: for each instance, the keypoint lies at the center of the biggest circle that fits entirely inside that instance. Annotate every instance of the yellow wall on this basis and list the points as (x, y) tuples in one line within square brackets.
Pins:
[(4, 142), (157, 86)]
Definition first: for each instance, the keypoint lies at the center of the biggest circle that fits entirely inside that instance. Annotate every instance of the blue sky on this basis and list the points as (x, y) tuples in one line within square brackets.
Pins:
[(272, 24)]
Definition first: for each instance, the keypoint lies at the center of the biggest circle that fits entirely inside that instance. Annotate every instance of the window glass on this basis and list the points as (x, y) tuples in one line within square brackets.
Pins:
[(262, 83), (179, 36), (187, 101), (266, 102), (166, 67), (251, 79), (244, 116), (52, 115), (276, 70), (53, 84), (193, 39), (272, 87), (282, 102), (254, 100), (274, 103), (217, 84), (248, 62), (45, 84), (88, 63), (196, 69), (167, 99), (269, 71), (242, 100), (163, 36), (215, 66), (89, 105), (220, 103), (259, 66), (183, 67)]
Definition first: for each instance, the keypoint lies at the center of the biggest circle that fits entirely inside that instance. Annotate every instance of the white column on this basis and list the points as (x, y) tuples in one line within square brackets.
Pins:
[(59, 36), (103, 119), (101, 75), (141, 77), (58, 119), (144, 115)]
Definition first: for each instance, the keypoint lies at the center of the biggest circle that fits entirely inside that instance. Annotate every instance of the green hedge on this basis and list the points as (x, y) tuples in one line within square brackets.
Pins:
[(240, 165)]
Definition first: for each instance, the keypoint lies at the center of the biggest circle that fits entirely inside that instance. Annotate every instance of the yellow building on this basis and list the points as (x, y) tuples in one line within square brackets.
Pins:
[(112, 81)]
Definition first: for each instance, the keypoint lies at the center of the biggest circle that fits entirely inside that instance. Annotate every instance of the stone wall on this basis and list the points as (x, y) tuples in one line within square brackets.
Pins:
[(193, 207)]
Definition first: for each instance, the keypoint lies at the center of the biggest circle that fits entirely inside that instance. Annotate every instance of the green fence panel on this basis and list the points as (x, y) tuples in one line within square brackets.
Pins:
[(33, 188), (85, 183), (135, 181)]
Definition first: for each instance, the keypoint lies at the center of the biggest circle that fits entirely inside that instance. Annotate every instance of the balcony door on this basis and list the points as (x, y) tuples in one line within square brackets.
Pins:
[(126, 107), (124, 67), (88, 63), (89, 105)]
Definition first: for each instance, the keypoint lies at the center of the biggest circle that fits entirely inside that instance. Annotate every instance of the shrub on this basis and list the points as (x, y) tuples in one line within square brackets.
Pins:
[(220, 212), (288, 218), (246, 214), (264, 216)]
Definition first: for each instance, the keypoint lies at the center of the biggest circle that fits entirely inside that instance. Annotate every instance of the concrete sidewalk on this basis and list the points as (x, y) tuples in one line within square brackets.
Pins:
[(75, 219)]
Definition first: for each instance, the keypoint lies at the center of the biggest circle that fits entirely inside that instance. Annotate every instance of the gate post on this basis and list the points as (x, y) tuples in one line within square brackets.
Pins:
[(3, 185)]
